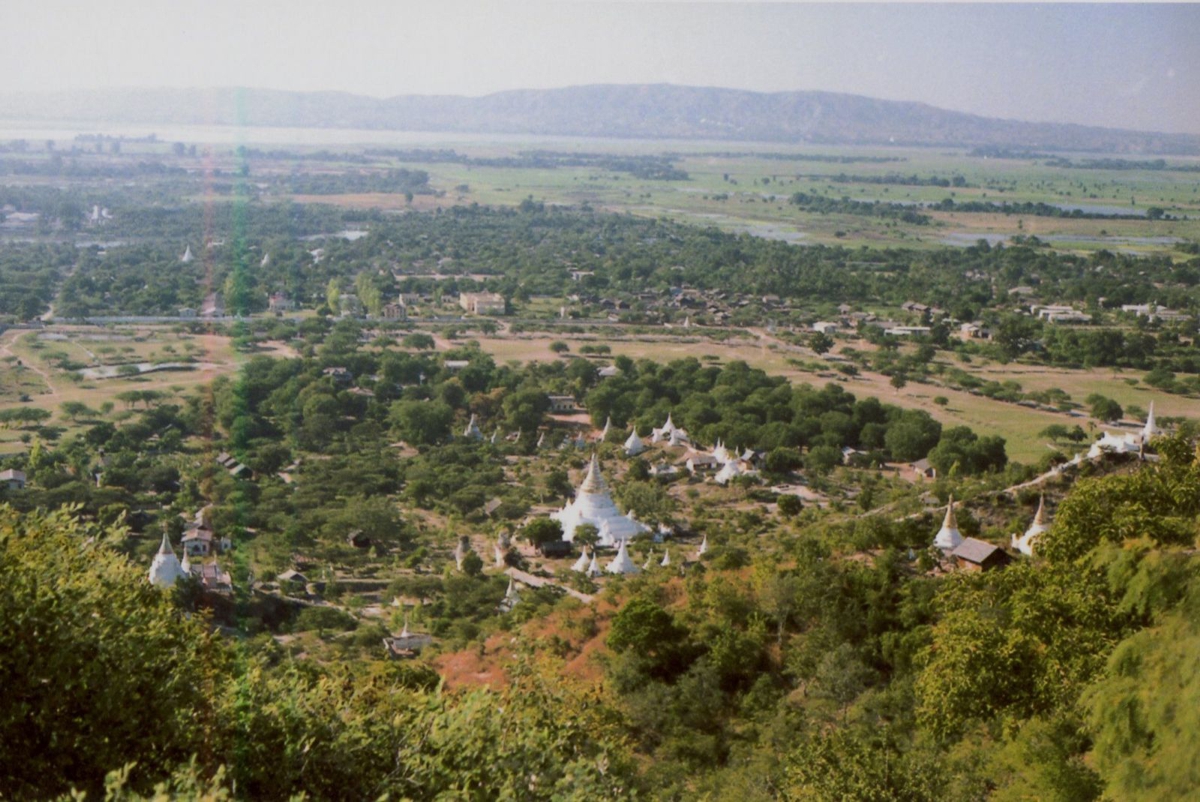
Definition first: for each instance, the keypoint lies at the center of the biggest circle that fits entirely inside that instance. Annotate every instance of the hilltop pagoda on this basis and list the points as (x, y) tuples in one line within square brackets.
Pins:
[(948, 537), (165, 569), (594, 505)]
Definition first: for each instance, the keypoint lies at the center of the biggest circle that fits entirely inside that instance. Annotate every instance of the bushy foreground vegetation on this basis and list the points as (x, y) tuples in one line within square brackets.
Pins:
[(807, 676)]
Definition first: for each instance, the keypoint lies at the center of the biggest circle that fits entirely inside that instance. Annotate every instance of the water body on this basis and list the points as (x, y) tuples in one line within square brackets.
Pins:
[(965, 239), (113, 371), (348, 234), (1088, 208)]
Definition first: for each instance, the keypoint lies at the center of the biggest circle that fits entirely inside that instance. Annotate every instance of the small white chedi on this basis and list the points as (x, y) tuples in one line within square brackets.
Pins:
[(948, 537), (1027, 542), (593, 505), (165, 569)]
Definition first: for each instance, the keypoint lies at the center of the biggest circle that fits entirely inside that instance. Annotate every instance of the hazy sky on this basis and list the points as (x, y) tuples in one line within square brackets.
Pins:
[(1134, 66)]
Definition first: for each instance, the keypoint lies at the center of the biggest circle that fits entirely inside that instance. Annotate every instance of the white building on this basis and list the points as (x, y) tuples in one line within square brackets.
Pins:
[(593, 505), (1128, 442), (634, 444)]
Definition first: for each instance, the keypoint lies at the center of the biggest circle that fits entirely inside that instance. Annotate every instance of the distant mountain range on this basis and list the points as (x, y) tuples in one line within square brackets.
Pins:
[(657, 111)]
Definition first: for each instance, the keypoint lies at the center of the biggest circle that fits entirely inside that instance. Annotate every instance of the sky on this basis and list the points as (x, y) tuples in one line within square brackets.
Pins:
[(1118, 65)]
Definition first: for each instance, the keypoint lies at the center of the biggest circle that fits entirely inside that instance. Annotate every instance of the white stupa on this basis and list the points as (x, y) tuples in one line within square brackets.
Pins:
[(732, 470), (669, 432), (621, 564), (580, 566), (1126, 442), (593, 505), (634, 444), (472, 431), (666, 560), (948, 537), (700, 552), (165, 569), (498, 553), (593, 569), (646, 566), (1151, 428), (187, 255), (266, 260), (1026, 543), (607, 429), (541, 439), (720, 453)]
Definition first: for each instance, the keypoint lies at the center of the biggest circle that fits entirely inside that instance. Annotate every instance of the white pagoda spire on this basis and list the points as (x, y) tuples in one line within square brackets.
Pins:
[(1151, 428), (700, 552), (1026, 543), (634, 444), (580, 566), (666, 560), (948, 537), (621, 564), (646, 566), (607, 428), (593, 569), (404, 633), (499, 554), (593, 505), (187, 255), (472, 431), (165, 569), (185, 564)]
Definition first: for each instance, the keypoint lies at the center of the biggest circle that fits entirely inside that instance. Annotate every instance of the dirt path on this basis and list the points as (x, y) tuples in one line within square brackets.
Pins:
[(6, 342)]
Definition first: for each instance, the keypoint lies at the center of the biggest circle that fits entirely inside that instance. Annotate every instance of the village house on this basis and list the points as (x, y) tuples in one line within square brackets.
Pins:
[(396, 311), (12, 479), (978, 555), (482, 303), (562, 404), (279, 303)]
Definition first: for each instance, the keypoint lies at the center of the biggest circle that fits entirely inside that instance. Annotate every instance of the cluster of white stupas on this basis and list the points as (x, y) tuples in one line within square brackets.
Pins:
[(594, 505), (166, 569), (670, 433), (1128, 442), (948, 538), (588, 565)]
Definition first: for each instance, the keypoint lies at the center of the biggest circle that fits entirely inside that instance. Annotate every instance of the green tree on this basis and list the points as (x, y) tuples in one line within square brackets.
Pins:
[(84, 636), (542, 530)]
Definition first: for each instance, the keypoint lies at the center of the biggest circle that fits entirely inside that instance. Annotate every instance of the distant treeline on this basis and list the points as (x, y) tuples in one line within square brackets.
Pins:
[(1122, 164), (1000, 152), (823, 205), (1037, 209), (70, 167), (803, 157), (894, 179), (396, 181), (659, 168)]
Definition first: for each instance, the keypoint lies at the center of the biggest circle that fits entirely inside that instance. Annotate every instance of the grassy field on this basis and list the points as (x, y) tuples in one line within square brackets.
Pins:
[(745, 191), (48, 385)]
